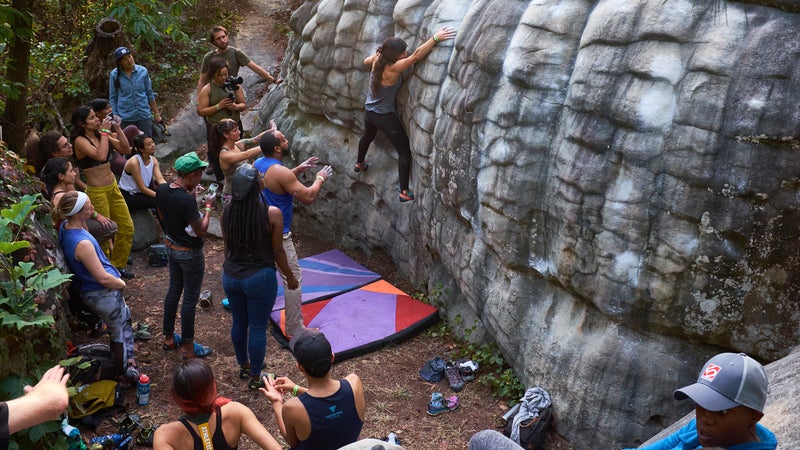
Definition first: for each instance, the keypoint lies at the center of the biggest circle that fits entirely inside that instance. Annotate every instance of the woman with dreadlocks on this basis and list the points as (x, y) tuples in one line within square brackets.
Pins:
[(253, 236), (221, 420), (388, 64)]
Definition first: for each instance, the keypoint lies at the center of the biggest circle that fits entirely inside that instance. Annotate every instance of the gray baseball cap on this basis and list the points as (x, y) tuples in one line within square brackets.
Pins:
[(728, 380)]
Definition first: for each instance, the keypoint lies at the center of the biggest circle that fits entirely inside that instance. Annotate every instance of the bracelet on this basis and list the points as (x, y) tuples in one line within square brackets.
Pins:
[(105, 130), (320, 177), (217, 106), (294, 391), (207, 209), (436, 39), (94, 214)]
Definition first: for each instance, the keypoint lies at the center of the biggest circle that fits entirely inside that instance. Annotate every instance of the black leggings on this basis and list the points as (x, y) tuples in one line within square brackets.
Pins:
[(138, 201), (393, 129)]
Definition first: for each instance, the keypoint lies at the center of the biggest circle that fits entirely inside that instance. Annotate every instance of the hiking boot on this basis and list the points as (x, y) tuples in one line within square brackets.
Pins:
[(439, 404), (454, 377), (467, 368)]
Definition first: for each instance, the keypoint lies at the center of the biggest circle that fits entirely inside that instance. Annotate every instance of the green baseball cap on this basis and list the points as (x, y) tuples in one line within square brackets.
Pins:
[(189, 162)]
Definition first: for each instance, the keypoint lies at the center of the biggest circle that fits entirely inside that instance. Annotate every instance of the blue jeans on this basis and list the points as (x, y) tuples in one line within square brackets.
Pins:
[(251, 300), (186, 269)]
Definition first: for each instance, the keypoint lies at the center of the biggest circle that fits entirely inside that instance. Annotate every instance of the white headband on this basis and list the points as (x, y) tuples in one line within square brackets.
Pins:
[(78, 204)]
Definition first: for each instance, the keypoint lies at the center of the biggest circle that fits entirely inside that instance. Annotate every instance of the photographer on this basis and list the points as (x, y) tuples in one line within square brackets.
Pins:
[(222, 98)]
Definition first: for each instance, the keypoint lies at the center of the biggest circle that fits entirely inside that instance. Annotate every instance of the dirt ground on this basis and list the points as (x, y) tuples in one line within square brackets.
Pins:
[(396, 397)]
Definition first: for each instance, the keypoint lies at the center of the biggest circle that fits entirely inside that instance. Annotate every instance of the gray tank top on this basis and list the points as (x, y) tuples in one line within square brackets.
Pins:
[(383, 103)]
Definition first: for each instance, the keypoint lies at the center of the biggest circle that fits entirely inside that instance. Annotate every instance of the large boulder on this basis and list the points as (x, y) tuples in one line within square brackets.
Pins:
[(609, 188)]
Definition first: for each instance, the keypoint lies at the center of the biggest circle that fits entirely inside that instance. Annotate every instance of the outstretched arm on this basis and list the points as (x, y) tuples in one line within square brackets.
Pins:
[(263, 73), (422, 51), (41, 403)]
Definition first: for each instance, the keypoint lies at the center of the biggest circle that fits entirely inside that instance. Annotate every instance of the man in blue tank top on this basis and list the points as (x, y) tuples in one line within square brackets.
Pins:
[(329, 413), (282, 187)]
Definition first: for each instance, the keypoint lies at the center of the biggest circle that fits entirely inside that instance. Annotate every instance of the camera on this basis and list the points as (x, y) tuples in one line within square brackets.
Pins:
[(231, 85)]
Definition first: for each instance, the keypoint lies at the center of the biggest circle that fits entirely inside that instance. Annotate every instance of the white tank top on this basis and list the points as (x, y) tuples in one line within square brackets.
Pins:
[(127, 183)]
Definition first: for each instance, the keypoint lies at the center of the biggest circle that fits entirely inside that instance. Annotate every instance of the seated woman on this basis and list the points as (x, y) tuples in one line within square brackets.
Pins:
[(59, 176), (98, 281), (53, 144), (140, 172), (195, 392)]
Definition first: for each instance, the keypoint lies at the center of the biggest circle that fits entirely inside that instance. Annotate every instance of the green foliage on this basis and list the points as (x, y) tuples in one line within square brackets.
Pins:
[(47, 435), (147, 19), (494, 371), (22, 284), (51, 87)]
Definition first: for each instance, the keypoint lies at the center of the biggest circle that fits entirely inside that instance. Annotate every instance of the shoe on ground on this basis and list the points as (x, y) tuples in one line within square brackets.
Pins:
[(199, 351), (142, 332), (361, 167), (433, 370), (454, 377), (145, 436), (256, 383), (440, 404), (125, 273), (406, 196), (467, 368), (244, 370)]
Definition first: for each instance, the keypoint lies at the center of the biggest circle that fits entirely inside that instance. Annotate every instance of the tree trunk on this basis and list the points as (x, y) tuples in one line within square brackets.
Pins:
[(16, 72), (108, 35)]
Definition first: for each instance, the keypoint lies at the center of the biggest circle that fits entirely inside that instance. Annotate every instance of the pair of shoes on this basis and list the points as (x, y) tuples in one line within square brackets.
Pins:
[(125, 273), (433, 370), (440, 404), (467, 368), (454, 377), (142, 332), (205, 301), (129, 423), (176, 341), (199, 351), (406, 196), (361, 167)]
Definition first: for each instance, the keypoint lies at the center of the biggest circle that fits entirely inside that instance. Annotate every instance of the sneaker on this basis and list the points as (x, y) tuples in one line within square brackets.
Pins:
[(361, 167), (467, 368), (142, 332), (454, 377), (406, 196), (125, 273), (244, 371), (439, 404), (255, 383)]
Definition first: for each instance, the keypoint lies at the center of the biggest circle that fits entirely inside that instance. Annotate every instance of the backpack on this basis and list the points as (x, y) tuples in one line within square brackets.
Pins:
[(532, 431), (97, 363), (92, 398)]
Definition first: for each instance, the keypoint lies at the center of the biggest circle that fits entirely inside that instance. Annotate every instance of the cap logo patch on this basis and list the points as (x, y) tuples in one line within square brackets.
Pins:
[(711, 372)]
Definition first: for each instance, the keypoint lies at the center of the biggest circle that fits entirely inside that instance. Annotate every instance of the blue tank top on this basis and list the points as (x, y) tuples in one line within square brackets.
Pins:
[(69, 239), (383, 103), (285, 201), (334, 420)]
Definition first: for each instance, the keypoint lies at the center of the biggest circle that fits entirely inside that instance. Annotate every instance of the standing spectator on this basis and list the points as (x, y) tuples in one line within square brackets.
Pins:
[(305, 421), (59, 178), (93, 151), (99, 282), (729, 396), (232, 151), (204, 413), (42, 403), (215, 103), (102, 108), (235, 58), (253, 245), (130, 92), (141, 174), (184, 228), (281, 188), (386, 67)]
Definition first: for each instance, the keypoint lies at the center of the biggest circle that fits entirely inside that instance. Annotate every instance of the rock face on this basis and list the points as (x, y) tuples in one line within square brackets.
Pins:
[(609, 189)]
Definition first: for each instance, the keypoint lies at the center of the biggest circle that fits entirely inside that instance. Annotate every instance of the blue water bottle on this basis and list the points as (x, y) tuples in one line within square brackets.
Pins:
[(143, 390)]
